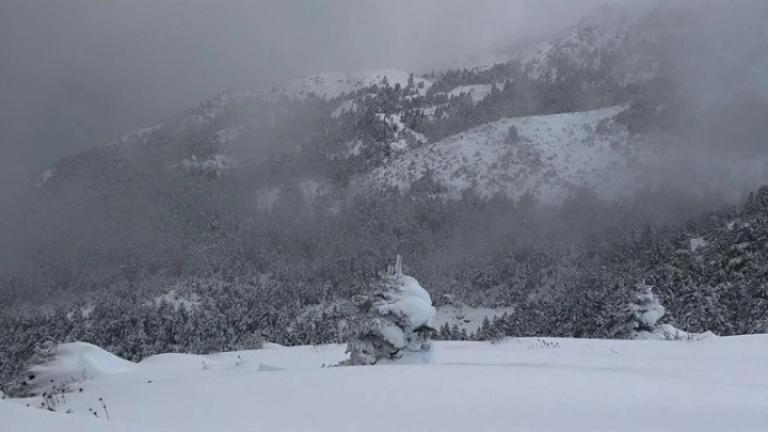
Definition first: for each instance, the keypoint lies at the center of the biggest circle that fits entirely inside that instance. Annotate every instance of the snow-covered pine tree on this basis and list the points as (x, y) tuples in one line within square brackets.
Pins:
[(490, 330), (645, 311), (396, 322)]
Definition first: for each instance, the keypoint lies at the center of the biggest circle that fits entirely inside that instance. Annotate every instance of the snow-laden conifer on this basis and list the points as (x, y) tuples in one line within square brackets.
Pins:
[(396, 322)]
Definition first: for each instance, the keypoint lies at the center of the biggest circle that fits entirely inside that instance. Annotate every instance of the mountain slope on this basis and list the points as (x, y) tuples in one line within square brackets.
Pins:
[(547, 156)]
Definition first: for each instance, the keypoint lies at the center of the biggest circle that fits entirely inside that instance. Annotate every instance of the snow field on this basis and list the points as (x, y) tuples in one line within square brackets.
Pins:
[(712, 384)]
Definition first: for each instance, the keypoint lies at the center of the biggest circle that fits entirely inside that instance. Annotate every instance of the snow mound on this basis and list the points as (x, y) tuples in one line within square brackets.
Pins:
[(669, 332), (78, 361)]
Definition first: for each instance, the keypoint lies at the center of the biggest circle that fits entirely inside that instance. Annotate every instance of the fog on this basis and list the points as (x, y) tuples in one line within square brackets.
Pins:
[(719, 70), (79, 73)]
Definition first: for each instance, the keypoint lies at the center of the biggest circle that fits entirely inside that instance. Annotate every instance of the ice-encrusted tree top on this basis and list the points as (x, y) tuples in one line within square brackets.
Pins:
[(406, 299)]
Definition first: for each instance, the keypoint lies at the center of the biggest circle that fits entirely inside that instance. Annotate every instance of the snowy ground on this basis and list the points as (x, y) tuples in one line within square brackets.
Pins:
[(714, 384)]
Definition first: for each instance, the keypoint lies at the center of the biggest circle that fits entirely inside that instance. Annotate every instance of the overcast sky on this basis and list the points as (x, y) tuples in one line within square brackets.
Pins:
[(78, 73)]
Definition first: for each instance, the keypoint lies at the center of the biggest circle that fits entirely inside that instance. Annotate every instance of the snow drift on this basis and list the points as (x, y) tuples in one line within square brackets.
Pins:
[(75, 362), (526, 384)]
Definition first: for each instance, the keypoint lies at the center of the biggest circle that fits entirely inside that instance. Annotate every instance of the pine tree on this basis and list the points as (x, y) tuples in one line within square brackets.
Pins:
[(645, 311), (395, 321)]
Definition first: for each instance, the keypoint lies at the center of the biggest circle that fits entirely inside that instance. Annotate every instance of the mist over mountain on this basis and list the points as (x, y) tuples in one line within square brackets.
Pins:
[(76, 75), (547, 167)]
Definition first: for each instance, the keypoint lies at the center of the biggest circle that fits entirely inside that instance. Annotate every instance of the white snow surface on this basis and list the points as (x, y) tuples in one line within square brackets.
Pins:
[(708, 385), (78, 361), (18, 418)]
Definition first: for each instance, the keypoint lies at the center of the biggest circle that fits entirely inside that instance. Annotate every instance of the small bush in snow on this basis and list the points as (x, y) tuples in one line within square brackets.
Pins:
[(513, 137), (544, 344)]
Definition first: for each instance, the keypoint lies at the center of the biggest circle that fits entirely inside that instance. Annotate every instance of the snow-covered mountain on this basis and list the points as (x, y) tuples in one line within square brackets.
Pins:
[(588, 46), (609, 106), (613, 58), (449, 124), (600, 107)]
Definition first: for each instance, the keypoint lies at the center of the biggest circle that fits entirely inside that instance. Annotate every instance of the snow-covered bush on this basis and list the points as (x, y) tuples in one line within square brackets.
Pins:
[(22, 384), (396, 322), (513, 137), (645, 311)]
